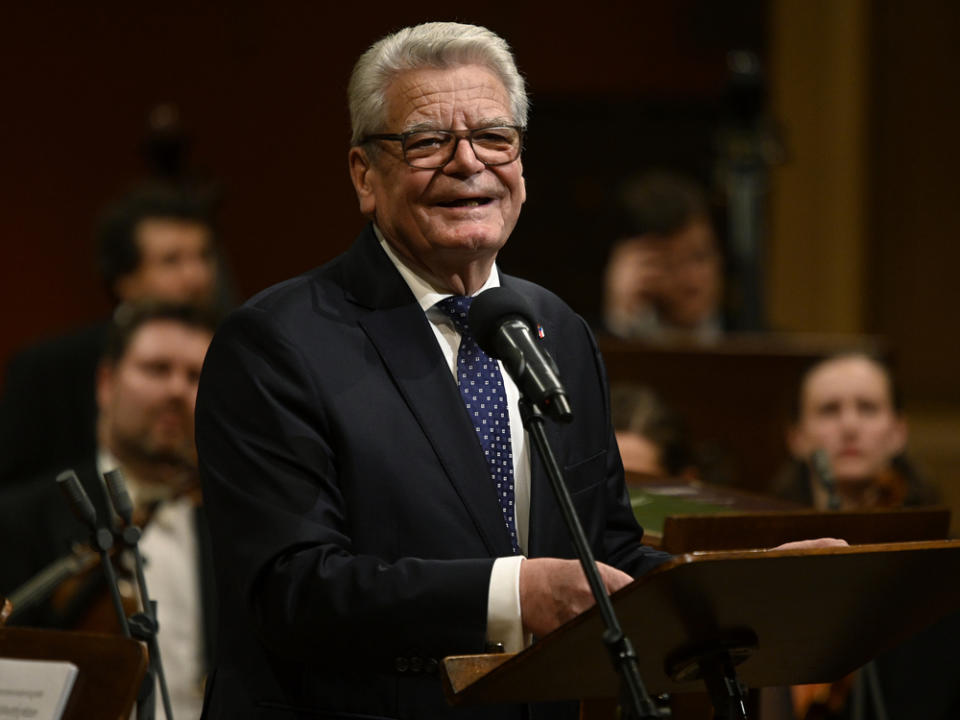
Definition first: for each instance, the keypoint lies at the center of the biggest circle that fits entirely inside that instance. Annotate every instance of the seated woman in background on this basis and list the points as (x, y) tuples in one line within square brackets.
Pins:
[(848, 438), (848, 424)]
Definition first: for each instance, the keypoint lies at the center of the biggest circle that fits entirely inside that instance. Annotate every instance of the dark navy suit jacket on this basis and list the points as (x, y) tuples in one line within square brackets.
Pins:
[(354, 521)]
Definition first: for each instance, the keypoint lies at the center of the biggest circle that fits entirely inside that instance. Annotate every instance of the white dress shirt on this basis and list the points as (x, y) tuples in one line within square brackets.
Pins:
[(503, 603)]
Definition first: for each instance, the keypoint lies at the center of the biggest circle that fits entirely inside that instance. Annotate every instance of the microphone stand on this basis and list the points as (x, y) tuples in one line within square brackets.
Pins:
[(636, 702), (144, 624), (820, 464), (101, 539)]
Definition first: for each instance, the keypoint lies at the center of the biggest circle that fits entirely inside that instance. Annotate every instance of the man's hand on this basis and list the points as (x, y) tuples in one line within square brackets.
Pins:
[(553, 591), (811, 544)]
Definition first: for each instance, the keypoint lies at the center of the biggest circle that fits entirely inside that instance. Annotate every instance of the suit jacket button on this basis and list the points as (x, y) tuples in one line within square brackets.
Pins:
[(416, 664), (401, 664), (431, 666)]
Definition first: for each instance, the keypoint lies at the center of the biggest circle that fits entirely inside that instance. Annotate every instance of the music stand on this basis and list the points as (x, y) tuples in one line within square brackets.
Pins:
[(111, 667), (766, 529), (784, 617)]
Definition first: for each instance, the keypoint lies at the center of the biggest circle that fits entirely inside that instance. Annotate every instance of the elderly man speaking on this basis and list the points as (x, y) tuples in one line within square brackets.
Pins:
[(372, 512)]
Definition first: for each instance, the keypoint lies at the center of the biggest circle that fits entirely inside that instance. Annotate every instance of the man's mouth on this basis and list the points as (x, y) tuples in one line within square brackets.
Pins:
[(465, 202)]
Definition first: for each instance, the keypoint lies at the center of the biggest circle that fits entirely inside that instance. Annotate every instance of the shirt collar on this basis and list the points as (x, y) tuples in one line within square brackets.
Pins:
[(140, 492), (426, 294)]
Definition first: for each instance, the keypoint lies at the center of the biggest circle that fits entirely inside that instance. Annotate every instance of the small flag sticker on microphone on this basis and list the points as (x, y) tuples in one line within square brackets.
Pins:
[(540, 332)]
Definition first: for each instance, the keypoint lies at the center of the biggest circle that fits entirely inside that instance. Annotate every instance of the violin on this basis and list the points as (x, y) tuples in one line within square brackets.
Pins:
[(73, 589)]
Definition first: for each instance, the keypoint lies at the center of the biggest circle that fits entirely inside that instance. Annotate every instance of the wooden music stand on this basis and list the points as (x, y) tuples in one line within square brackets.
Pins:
[(766, 529), (783, 616), (111, 667)]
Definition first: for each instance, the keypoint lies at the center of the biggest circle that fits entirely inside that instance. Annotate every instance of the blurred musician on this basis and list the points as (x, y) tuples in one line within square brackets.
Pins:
[(146, 393), (848, 438), (849, 409)]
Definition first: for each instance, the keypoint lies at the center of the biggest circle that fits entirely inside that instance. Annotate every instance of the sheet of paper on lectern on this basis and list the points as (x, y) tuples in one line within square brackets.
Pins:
[(36, 689)]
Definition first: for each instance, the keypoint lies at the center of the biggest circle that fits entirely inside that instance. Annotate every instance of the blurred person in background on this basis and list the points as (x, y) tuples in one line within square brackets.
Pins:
[(849, 410), (848, 407), (664, 276), (651, 437), (146, 390), (157, 242)]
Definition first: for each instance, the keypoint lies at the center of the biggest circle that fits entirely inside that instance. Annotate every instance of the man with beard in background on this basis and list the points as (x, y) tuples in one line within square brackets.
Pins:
[(146, 389)]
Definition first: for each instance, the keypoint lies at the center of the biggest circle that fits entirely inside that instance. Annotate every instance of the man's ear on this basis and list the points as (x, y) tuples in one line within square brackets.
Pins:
[(362, 174), (523, 183)]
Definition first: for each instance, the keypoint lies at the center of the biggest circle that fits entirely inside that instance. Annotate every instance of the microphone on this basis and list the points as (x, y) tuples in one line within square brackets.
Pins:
[(100, 538), (502, 322), (77, 498), (820, 463), (145, 625)]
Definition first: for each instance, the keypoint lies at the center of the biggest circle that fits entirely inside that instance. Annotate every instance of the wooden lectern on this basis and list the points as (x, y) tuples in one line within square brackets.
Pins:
[(783, 617), (111, 667), (767, 529)]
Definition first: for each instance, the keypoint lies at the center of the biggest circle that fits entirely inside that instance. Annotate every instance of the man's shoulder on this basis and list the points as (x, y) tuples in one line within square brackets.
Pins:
[(325, 286), (285, 295), (306, 312)]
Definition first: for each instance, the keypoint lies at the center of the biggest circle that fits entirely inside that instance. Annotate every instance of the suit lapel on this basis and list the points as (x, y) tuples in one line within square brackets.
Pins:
[(406, 344)]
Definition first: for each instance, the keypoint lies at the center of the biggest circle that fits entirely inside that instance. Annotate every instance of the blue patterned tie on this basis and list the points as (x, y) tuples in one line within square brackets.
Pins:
[(481, 386)]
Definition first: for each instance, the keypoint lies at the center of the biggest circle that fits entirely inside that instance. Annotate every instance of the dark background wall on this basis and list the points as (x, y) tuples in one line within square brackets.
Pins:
[(914, 213), (261, 87), (616, 86)]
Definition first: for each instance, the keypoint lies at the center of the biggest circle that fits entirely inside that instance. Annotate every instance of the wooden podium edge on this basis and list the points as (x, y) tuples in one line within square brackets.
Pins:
[(461, 671), (463, 675)]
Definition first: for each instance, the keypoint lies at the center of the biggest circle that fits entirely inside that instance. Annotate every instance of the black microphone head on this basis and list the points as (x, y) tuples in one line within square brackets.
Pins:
[(119, 497), (488, 311), (77, 497)]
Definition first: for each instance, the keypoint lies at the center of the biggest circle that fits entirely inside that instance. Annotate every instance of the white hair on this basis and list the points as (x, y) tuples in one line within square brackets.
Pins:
[(429, 45)]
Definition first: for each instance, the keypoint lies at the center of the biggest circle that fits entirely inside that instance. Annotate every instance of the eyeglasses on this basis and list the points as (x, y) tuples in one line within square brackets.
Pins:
[(433, 149)]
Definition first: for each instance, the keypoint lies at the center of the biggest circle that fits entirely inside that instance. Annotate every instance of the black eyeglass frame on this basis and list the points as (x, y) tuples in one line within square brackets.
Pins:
[(458, 134)]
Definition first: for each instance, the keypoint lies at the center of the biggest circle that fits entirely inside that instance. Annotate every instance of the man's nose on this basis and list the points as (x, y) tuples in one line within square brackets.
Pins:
[(464, 160), (199, 272), (181, 386), (849, 420)]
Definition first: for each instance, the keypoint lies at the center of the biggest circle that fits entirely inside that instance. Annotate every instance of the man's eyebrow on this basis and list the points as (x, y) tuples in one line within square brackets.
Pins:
[(494, 122), (483, 123), (424, 126)]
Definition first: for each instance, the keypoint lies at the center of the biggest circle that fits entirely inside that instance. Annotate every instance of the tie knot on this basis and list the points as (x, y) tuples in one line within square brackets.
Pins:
[(456, 308)]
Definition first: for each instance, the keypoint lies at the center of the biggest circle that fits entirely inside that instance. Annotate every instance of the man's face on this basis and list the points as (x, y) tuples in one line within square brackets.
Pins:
[(847, 410), (177, 263), (694, 281), (465, 210), (147, 399)]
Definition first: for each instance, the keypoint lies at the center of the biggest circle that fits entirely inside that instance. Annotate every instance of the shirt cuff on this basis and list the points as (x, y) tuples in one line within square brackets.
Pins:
[(504, 622)]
